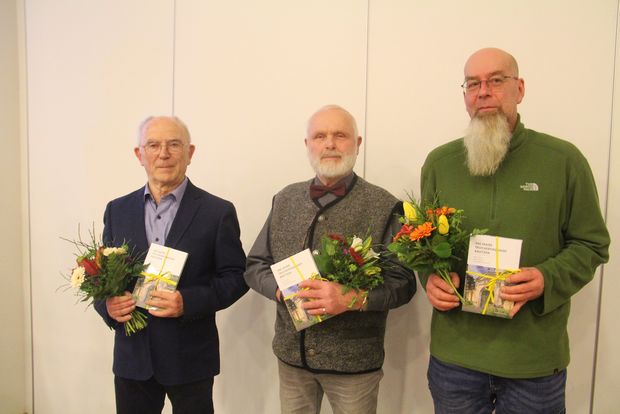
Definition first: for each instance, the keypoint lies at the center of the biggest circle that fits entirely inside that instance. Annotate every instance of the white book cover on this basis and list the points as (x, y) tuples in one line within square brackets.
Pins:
[(163, 271), (288, 274), (490, 260)]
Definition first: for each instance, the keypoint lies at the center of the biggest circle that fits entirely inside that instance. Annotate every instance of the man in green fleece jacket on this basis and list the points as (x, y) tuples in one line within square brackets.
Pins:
[(526, 185)]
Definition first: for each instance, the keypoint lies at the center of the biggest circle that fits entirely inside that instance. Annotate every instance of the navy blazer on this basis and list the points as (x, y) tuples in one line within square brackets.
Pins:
[(185, 349)]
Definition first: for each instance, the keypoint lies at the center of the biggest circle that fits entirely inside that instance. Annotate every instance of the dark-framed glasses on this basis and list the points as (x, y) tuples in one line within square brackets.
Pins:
[(154, 147), (493, 83)]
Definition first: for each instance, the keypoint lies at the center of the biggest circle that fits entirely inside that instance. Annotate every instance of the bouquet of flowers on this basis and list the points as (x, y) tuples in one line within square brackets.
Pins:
[(103, 272), (349, 261), (431, 239)]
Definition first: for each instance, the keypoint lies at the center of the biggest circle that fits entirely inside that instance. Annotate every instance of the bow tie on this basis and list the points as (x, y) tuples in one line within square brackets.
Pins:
[(318, 191)]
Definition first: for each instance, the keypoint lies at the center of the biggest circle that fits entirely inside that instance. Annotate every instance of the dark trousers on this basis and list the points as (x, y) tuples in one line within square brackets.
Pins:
[(147, 397)]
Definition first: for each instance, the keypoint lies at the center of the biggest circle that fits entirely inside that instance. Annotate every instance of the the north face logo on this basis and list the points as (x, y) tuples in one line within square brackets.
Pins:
[(529, 187)]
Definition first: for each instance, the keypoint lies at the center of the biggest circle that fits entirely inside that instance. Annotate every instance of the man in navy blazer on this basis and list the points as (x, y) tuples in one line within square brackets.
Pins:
[(177, 354)]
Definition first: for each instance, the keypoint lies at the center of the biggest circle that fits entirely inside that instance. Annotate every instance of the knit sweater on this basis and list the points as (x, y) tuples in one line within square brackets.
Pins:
[(351, 342), (543, 193)]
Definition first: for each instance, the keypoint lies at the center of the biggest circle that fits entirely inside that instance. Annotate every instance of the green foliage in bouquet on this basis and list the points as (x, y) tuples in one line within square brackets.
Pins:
[(103, 272), (432, 239), (349, 261)]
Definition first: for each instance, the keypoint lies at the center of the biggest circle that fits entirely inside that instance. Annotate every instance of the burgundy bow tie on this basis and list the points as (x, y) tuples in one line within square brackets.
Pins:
[(318, 191)]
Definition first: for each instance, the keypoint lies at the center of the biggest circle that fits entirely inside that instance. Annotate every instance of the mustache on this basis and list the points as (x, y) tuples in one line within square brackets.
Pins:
[(481, 115), (331, 154)]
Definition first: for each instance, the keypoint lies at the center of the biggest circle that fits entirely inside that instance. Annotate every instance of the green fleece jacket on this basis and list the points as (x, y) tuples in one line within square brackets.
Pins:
[(544, 194)]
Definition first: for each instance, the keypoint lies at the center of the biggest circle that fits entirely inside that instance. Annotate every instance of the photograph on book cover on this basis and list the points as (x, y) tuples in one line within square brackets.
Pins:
[(482, 295)]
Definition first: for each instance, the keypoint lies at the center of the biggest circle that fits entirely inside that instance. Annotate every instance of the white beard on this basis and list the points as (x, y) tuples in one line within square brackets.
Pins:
[(487, 140), (331, 169)]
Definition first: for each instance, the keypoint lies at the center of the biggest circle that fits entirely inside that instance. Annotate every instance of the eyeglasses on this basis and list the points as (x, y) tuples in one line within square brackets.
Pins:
[(494, 83), (154, 147)]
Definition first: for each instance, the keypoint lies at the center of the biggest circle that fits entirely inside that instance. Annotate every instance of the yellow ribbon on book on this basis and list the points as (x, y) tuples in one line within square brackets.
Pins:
[(499, 276), (313, 276), (160, 276)]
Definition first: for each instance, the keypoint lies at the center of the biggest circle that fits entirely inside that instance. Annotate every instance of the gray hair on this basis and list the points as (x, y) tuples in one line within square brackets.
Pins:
[(144, 124)]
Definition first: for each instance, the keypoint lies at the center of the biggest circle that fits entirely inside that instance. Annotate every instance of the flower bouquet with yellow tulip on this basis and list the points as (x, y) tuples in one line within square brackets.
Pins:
[(431, 239), (102, 272)]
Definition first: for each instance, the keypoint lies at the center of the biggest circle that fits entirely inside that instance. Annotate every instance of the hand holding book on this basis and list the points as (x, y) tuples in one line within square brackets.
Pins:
[(165, 304), (332, 280), (330, 297), (156, 289), (529, 284)]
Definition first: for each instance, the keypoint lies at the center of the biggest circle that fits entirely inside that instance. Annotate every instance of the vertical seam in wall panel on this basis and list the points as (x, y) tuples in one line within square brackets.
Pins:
[(26, 168), (174, 56), (605, 209), (365, 135)]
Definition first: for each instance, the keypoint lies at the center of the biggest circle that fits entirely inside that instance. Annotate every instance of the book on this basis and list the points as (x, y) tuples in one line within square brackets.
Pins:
[(163, 271), (288, 274), (490, 260)]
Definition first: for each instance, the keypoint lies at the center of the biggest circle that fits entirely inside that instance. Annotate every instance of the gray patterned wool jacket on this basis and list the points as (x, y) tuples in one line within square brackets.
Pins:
[(351, 342)]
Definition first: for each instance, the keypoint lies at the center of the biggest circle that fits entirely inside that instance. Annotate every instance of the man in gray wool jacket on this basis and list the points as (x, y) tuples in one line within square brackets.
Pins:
[(343, 355)]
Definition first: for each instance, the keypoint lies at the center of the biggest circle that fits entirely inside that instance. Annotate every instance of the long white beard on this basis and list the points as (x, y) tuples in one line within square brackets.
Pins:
[(487, 140), (331, 169)]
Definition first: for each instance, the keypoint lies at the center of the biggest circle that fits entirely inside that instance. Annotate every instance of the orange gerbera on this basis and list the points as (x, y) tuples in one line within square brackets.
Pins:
[(445, 210), (423, 230)]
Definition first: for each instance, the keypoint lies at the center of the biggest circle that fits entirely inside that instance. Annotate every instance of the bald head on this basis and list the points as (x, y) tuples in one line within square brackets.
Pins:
[(336, 108), (502, 59)]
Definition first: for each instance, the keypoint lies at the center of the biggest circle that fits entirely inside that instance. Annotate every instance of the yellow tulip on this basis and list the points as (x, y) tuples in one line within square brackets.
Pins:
[(442, 224), (410, 213)]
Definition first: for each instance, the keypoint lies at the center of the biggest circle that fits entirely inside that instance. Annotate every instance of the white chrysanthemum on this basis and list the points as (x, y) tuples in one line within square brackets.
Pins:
[(77, 277), (315, 252), (116, 250), (357, 244)]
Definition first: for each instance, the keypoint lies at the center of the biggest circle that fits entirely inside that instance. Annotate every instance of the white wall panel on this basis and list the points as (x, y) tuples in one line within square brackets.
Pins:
[(417, 51), (607, 380), (247, 77), (94, 69)]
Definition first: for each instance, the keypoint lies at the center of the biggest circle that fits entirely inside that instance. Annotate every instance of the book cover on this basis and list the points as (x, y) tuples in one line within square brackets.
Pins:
[(289, 273), (490, 260), (163, 271)]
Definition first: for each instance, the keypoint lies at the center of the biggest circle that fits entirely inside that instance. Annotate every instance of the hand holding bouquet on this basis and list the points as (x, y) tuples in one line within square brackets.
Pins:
[(349, 261), (431, 239), (103, 272)]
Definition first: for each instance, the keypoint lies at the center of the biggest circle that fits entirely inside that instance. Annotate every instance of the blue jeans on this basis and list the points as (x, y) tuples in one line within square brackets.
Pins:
[(464, 391)]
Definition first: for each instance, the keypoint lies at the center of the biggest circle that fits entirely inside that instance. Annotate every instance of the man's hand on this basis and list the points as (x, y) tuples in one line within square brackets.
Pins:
[(527, 285), (440, 294), (169, 304), (120, 307), (327, 298)]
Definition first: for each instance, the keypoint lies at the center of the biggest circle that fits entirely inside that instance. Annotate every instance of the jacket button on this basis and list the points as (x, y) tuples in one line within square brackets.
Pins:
[(311, 352), (322, 218)]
